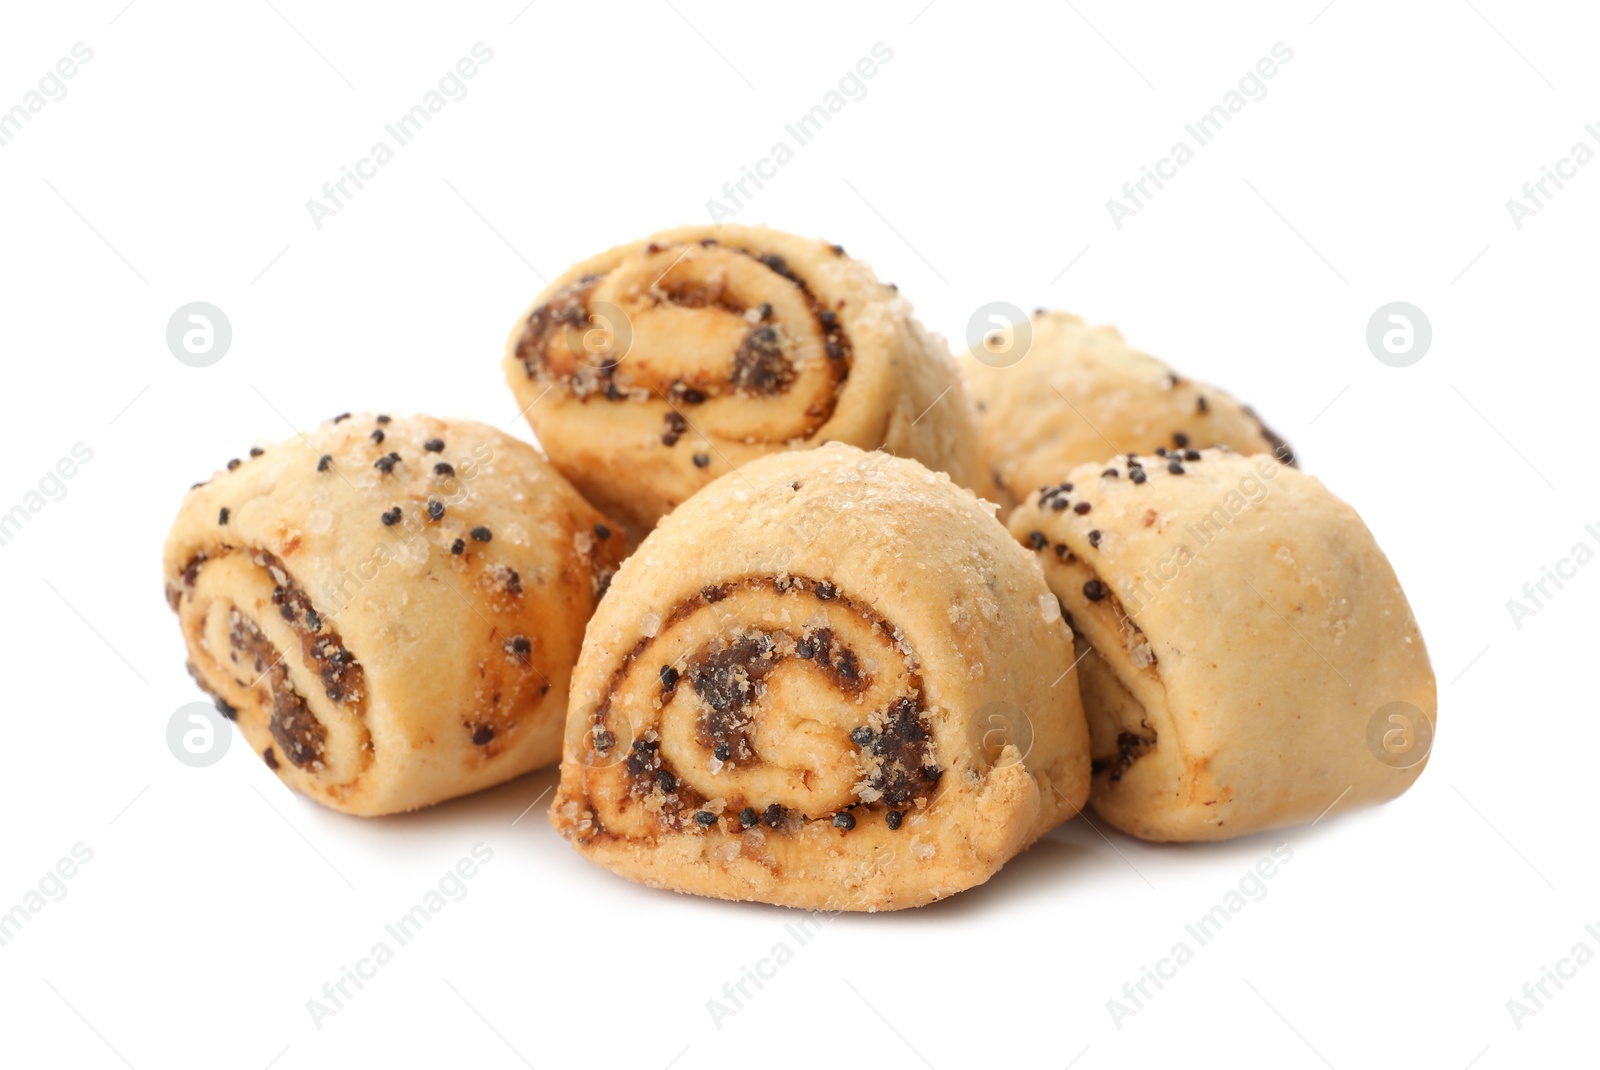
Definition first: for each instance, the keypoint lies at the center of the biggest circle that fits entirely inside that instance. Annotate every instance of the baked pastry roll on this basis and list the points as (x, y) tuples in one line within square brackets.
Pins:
[(1241, 634), (829, 680), (1079, 394), (390, 608), (652, 369)]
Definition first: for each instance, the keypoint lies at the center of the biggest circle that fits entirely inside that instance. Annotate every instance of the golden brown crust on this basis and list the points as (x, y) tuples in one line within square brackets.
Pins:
[(1080, 394), (653, 368), (391, 607), (1240, 630), (842, 662)]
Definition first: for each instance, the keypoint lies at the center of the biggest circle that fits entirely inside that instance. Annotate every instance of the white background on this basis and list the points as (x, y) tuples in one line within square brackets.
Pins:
[(976, 169)]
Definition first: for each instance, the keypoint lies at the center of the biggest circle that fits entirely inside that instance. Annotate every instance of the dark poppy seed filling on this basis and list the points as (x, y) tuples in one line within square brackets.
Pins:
[(186, 581), (642, 757), (1130, 748), (889, 762), (1280, 449), (321, 647), (727, 681), (557, 343), (293, 725), (760, 365), (682, 391), (676, 426), (904, 766)]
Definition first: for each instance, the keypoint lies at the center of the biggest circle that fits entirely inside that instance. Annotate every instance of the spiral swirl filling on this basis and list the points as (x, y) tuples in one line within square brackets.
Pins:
[(770, 701), (256, 664), (1119, 727), (642, 333)]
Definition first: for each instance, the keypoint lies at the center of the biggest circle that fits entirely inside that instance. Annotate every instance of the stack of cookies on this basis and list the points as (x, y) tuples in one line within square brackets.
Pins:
[(810, 612)]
